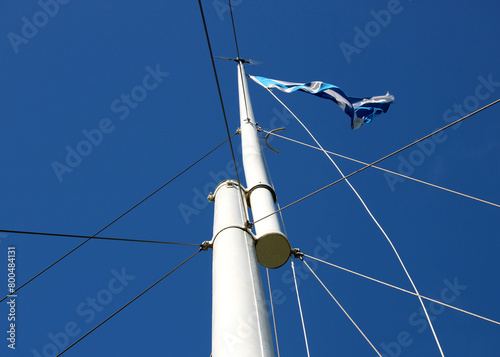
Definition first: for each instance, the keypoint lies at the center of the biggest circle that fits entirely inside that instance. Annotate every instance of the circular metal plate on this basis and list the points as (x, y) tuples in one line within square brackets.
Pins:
[(273, 250)]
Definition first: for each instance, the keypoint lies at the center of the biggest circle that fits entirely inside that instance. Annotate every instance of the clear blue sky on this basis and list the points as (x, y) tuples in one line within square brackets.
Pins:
[(103, 102)]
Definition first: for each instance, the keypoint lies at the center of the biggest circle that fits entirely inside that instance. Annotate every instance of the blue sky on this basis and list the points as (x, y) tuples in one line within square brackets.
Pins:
[(130, 87)]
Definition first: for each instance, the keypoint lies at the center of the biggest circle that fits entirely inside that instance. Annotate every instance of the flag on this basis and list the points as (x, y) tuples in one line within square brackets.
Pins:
[(360, 110)]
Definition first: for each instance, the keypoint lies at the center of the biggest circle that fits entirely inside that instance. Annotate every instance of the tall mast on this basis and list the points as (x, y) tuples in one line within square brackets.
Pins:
[(272, 246), (240, 319)]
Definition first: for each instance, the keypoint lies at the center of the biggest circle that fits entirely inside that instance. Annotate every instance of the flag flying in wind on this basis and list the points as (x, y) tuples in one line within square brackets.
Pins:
[(360, 110)]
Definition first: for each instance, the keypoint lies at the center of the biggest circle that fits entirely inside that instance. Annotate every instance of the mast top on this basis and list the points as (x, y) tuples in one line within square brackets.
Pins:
[(272, 246)]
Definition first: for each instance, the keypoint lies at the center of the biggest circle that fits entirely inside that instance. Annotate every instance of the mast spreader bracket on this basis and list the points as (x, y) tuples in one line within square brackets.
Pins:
[(269, 133), (262, 185), (297, 253)]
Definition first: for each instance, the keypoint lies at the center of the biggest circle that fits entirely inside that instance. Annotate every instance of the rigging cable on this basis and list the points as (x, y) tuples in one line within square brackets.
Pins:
[(219, 91), (238, 54), (240, 74), (382, 169), (94, 237), (300, 306), (116, 219), (401, 289), (379, 160), (272, 310), (234, 30), (374, 220), (222, 102), (131, 301), (345, 312), (284, 230)]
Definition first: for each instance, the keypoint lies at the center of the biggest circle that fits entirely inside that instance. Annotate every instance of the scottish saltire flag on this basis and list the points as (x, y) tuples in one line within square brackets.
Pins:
[(360, 110)]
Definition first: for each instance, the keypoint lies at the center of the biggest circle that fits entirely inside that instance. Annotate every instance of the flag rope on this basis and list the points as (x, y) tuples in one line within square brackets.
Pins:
[(374, 220)]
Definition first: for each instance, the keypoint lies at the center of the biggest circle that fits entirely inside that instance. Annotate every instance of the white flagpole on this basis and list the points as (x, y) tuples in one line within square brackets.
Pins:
[(240, 319), (273, 249)]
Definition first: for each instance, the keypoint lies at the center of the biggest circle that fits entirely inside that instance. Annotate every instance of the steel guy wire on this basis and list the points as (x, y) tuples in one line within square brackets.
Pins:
[(401, 289), (379, 160), (95, 237), (383, 169), (116, 219), (127, 304)]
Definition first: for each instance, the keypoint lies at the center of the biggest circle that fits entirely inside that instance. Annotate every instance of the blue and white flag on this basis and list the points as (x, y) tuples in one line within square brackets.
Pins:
[(360, 110)]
